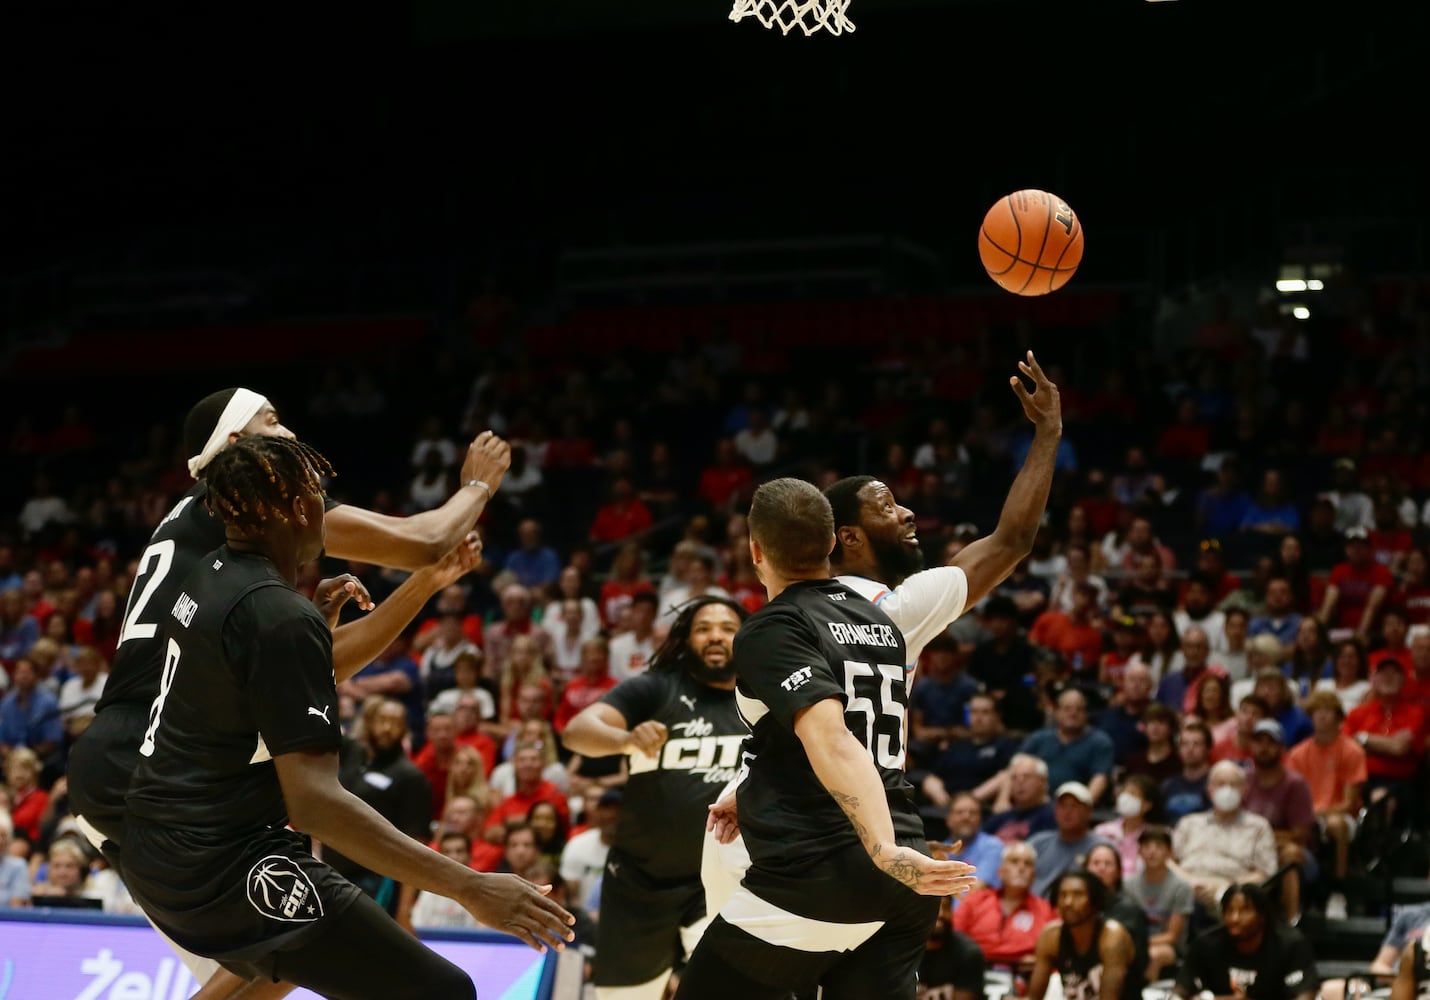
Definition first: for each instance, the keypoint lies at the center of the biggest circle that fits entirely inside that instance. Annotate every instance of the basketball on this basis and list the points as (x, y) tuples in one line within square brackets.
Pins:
[(1031, 242)]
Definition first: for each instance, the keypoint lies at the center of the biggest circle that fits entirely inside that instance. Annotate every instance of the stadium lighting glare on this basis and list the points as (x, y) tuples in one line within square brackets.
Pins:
[(1301, 312), (1291, 285), (1315, 285)]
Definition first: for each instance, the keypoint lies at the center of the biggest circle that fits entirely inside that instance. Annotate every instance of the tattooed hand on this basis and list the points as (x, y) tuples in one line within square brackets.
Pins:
[(923, 874)]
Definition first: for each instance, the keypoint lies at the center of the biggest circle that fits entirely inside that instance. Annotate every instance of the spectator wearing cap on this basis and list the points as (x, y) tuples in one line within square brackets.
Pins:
[(1128, 636), (1283, 798), (1065, 847), (1391, 729), (1073, 750), (1356, 589), (1224, 844), (1333, 765)]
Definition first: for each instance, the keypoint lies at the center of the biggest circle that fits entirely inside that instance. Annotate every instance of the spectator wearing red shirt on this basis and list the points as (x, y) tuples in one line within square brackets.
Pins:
[(1188, 438), (434, 760), (622, 516), (451, 600), (625, 581), (723, 482), (1357, 588), (1390, 542), (1414, 592), (592, 681), (466, 725), (1072, 635), (531, 788), (1005, 923), (27, 798), (1391, 728)]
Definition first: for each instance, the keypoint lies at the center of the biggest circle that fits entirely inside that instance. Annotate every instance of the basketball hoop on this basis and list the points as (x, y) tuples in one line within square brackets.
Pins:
[(807, 15)]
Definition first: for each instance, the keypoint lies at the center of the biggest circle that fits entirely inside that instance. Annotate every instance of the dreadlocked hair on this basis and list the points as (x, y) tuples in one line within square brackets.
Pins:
[(253, 481), (675, 650)]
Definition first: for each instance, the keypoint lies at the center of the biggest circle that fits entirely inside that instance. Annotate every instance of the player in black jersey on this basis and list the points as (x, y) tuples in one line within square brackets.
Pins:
[(877, 554), (243, 739), (1252, 955), (1092, 954), (841, 891), (679, 727), (104, 758)]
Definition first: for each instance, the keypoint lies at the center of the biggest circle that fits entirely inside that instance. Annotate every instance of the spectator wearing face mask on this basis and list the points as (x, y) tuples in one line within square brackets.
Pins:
[(1225, 844)]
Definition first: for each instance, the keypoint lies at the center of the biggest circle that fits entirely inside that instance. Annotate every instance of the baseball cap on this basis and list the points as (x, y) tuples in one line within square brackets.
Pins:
[(1272, 728), (1356, 534), (1390, 663), (611, 797), (1077, 790)]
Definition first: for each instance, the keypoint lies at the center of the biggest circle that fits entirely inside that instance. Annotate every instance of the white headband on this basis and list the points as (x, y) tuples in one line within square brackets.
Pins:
[(242, 407)]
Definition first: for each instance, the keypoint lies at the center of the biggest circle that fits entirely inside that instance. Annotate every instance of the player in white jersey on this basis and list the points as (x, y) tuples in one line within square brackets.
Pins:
[(877, 555)]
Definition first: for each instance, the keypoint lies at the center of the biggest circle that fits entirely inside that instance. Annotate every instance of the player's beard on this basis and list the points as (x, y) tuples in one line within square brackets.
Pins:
[(722, 674), (896, 560)]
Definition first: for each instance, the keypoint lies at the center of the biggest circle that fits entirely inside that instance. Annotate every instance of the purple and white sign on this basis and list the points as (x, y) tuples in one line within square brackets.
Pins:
[(113, 958)]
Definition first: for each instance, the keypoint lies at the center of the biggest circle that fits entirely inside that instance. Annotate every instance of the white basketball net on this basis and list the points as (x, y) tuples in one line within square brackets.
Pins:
[(807, 15)]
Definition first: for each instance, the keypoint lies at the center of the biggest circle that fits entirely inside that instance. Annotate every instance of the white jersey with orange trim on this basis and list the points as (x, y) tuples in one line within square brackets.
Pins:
[(922, 606)]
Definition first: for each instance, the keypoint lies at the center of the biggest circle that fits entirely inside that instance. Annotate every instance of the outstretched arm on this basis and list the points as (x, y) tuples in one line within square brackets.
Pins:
[(319, 806), (422, 539), (989, 561), (358, 643), (847, 772)]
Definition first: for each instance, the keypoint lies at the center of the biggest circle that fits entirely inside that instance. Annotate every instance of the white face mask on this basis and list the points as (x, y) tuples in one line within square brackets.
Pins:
[(1129, 806), (1226, 798)]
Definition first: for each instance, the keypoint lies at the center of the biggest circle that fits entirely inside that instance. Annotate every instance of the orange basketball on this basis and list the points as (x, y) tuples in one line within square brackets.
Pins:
[(1031, 242)]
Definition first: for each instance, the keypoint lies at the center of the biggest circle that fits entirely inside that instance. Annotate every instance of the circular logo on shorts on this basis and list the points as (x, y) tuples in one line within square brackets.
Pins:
[(279, 888)]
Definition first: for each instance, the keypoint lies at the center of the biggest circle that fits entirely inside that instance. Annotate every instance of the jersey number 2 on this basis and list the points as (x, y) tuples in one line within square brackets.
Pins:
[(883, 715), (161, 555), (166, 681)]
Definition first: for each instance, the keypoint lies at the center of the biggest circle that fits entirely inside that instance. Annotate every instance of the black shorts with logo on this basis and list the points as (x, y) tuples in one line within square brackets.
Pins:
[(240, 904), (639, 936)]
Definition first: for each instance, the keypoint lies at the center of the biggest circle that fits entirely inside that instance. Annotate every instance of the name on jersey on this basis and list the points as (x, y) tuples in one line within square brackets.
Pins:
[(697, 751), (184, 609), (849, 634)]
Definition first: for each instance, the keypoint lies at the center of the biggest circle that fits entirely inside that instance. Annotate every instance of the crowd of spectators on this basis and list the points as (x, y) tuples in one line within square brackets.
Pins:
[(1216, 656)]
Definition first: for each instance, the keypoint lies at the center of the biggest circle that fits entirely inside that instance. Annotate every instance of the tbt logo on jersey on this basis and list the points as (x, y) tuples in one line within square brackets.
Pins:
[(279, 889), (798, 679)]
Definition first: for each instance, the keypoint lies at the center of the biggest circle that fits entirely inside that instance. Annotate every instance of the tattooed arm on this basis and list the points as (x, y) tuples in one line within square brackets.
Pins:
[(846, 770)]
